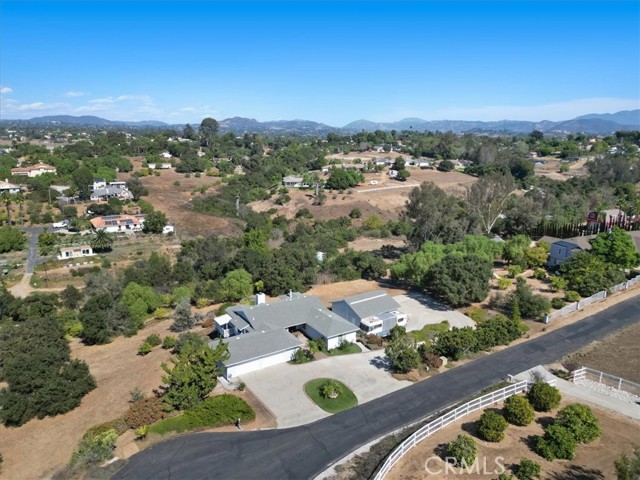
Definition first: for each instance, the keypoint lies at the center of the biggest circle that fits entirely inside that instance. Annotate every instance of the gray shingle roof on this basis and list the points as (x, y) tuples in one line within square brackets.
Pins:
[(252, 346), (299, 310), (371, 303)]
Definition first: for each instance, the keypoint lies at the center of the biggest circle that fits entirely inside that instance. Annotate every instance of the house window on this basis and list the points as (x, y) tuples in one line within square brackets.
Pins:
[(85, 251), (67, 254)]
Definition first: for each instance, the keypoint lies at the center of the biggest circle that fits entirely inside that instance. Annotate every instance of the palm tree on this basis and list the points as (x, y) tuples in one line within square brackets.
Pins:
[(7, 199), (19, 199), (101, 241)]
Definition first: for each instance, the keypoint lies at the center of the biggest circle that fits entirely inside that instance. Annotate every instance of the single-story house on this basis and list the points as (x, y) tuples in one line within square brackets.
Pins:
[(167, 229), (75, 252), (161, 166), (104, 191), (33, 170), (263, 335), (293, 181), (373, 312), (8, 187), (118, 223), (562, 250)]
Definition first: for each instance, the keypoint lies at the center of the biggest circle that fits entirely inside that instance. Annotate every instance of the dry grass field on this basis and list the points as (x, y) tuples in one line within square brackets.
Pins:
[(593, 461), (370, 199), (600, 356), (175, 201)]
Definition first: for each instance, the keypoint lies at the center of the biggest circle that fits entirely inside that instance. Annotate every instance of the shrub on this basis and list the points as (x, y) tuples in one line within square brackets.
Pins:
[(527, 470), (462, 450), (355, 213), (176, 183), (543, 397), (557, 442), (491, 426), (223, 409), (144, 349), (301, 356), (169, 342), (558, 283), (105, 263), (431, 360), (514, 270), (144, 412), (580, 421), (95, 447), (518, 411), (503, 283), (478, 314), (572, 296), (142, 431), (539, 274), (241, 387), (557, 303), (135, 395), (330, 389), (153, 340)]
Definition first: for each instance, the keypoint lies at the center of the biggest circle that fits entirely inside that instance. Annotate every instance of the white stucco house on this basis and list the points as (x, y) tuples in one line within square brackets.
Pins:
[(373, 312), (264, 334), (67, 253)]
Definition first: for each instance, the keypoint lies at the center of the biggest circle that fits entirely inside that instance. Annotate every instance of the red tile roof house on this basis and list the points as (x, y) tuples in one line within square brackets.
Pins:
[(119, 223), (33, 170)]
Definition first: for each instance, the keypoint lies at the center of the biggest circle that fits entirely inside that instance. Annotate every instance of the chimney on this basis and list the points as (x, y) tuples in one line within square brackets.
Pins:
[(261, 298)]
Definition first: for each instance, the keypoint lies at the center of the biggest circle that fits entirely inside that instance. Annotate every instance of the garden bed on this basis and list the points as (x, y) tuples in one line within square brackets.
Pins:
[(345, 400)]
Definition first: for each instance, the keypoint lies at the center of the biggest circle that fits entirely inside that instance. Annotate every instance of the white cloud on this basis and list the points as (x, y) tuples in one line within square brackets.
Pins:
[(97, 107), (102, 100), (5, 90), (73, 94)]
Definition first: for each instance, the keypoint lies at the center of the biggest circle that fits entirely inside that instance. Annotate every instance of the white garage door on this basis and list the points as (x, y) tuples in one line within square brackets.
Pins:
[(253, 365)]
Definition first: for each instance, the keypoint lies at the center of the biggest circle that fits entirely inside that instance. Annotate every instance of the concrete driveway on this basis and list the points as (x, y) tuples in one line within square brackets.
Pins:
[(281, 387), (424, 310)]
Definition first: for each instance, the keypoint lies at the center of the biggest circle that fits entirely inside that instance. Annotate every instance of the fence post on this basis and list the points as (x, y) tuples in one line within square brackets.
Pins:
[(620, 384), (600, 380)]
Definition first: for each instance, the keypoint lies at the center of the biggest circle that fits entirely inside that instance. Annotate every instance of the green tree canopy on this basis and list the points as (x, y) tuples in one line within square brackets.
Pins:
[(460, 280), (236, 285), (587, 274), (617, 248)]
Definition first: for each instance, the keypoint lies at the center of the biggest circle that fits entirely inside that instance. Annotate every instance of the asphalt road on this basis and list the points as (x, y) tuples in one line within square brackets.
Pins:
[(303, 452), (32, 256)]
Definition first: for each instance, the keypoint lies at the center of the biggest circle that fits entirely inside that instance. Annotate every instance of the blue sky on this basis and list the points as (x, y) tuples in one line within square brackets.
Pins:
[(332, 62)]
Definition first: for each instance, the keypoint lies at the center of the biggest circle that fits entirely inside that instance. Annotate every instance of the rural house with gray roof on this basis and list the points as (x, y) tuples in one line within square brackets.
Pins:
[(373, 312), (266, 334)]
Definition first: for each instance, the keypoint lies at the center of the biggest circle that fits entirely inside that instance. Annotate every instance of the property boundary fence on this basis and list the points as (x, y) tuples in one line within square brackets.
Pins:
[(452, 416), (575, 306), (586, 373), (395, 187)]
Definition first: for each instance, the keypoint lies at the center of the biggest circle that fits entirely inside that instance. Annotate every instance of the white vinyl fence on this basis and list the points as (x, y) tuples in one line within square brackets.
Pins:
[(585, 373), (452, 416), (575, 306)]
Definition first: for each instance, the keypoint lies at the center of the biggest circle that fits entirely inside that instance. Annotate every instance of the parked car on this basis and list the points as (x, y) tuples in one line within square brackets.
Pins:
[(62, 224)]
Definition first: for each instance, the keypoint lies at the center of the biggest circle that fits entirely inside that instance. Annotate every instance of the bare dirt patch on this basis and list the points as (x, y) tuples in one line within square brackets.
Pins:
[(593, 461), (336, 291), (551, 168), (606, 355), (370, 199), (175, 200)]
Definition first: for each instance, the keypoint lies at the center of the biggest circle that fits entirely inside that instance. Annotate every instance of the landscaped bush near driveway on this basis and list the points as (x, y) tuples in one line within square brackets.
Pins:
[(144, 412), (518, 411), (491, 426), (213, 412)]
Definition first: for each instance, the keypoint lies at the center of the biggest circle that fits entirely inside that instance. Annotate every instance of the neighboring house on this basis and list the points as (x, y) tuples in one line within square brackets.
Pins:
[(118, 223), (9, 187), (293, 181), (103, 191), (161, 166), (33, 170), (373, 312), (561, 251), (75, 252), (264, 334), (165, 155), (167, 229)]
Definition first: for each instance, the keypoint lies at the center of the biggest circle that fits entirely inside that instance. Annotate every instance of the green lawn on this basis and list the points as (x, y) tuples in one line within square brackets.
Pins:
[(351, 348), (345, 400), (427, 332)]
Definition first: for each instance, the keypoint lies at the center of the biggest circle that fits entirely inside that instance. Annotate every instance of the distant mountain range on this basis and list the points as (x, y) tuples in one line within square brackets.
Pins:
[(603, 123)]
